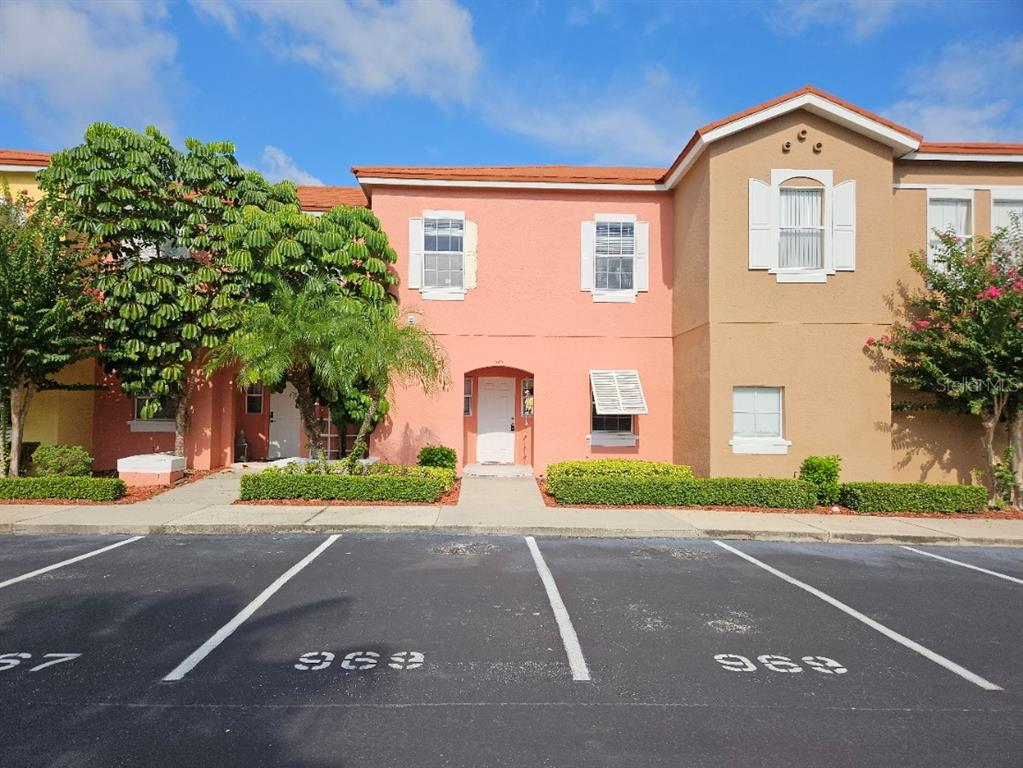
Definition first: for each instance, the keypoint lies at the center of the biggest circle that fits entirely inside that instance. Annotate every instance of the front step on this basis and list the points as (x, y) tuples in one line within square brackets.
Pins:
[(497, 470)]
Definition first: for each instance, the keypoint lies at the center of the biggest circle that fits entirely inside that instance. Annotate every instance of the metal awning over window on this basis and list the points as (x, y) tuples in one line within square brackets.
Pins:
[(617, 393)]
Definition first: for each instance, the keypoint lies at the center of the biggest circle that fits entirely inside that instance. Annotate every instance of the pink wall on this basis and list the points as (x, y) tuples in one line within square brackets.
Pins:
[(529, 314)]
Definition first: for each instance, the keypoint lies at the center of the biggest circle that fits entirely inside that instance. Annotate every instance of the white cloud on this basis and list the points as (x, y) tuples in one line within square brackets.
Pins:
[(423, 48), (66, 64), (582, 13), (966, 93), (861, 18), (277, 166), (647, 121)]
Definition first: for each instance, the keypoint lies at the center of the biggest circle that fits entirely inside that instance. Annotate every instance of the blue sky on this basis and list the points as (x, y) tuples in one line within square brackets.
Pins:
[(308, 89)]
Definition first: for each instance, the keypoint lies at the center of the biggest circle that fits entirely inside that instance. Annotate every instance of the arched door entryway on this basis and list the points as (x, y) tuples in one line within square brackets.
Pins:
[(498, 416)]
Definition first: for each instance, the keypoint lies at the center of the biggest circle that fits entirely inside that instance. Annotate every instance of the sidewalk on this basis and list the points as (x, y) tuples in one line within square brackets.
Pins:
[(487, 505)]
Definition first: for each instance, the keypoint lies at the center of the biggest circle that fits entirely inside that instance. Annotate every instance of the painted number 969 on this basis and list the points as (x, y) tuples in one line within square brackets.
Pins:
[(733, 662)]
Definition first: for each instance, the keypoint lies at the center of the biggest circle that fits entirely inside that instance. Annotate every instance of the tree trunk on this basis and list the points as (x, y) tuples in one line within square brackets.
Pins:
[(1016, 443), (5, 425), (362, 438), (21, 398), (180, 425), (990, 418), (307, 410)]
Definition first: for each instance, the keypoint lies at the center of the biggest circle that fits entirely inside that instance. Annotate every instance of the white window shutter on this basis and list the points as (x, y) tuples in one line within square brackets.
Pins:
[(617, 393), (589, 239), (415, 253), (843, 226), (641, 266), (469, 262), (760, 224)]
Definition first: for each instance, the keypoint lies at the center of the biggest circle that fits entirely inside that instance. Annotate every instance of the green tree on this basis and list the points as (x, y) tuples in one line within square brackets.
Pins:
[(293, 338), (962, 338), (48, 315), (381, 352), (158, 220)]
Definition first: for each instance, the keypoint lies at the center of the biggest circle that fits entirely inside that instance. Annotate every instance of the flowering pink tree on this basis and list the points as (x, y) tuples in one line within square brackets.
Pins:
[(962, 339)]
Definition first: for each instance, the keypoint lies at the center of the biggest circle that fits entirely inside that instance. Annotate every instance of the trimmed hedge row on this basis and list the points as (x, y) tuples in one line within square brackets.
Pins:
[(379, 486), (90, 488), (692, 492), (913, 497), (624, 468)]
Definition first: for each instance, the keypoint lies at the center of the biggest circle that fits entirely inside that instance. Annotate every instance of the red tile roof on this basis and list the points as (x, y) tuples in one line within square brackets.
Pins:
[(572, 174), (325, 198), (975, 148), (23, 157)]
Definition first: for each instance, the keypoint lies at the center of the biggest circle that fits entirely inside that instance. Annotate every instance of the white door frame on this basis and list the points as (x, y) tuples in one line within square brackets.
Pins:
[(495, 438), (284, 438)]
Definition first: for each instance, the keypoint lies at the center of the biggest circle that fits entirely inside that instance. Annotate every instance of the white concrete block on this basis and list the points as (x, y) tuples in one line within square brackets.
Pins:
[(151, 463)]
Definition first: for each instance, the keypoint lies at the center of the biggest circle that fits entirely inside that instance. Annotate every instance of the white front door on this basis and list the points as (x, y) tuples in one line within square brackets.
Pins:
[(495, 435), (284, 424)]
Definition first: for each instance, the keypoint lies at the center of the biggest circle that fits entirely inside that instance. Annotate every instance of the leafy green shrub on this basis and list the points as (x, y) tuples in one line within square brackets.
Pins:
[(61, 461), (683, 492), (822, 471), (379, 482), (91, 488), (913, 497), (625, 468), (438, 456), (339, 469)]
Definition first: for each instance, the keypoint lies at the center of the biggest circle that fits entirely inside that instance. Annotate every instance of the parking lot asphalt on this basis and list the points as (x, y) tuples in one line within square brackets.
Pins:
[(433, 650)]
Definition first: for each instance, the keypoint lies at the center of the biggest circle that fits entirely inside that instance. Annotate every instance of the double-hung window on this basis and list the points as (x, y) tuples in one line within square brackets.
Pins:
[(1006, 209), (443, 253), (948, 211), (254, 398), (614, 256), (757, 420), (467, 396), (801, 228)]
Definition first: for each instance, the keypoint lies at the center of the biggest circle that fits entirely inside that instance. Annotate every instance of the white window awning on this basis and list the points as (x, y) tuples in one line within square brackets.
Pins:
[(617, 393)]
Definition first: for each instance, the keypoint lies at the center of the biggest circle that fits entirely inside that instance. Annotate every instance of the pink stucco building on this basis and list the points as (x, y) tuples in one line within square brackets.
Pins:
[(712, 312)]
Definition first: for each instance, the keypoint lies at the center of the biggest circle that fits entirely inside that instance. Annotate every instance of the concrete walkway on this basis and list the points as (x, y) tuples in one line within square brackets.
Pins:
[(510, 505)]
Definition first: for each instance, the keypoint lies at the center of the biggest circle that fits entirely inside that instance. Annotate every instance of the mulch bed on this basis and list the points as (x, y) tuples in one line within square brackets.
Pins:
[(133, 493), (448, 499), (990, 514)]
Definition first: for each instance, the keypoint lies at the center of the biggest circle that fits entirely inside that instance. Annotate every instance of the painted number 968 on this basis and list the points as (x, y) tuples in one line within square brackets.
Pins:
[(359, 661), (733, 662)]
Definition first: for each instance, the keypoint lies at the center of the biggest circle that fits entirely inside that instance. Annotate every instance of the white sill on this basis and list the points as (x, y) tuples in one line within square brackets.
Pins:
[(612, 439), (151, 425), (612, 297), (761, 445), (443, 294), (800, 275)]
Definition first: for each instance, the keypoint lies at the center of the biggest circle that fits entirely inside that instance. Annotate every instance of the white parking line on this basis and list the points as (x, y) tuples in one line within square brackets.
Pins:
[(576, 660), (228, 629), (70, 561), (875, 625), (965, 565)]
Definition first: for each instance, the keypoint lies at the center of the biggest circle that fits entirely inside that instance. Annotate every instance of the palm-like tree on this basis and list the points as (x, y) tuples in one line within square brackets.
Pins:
[(381, 352), (293, 337)]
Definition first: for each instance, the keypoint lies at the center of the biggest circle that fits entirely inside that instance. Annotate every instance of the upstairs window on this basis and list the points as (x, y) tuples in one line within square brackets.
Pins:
[(801, 227), (614, 255), (948, 210), (443, 253)]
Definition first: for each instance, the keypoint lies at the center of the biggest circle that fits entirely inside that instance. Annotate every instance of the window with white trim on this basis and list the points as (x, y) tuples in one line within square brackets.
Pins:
[(948, 210), (615, 263), (467, 397), (757, 420), (443, 252), (616, 397), (527, 397), (614, 254), (161, 421), (1006, 211), (802, 226), (254, 398)]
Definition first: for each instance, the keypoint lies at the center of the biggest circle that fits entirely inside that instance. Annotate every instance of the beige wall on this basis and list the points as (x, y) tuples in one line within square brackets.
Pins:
[(806, 338), (61, 416)]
